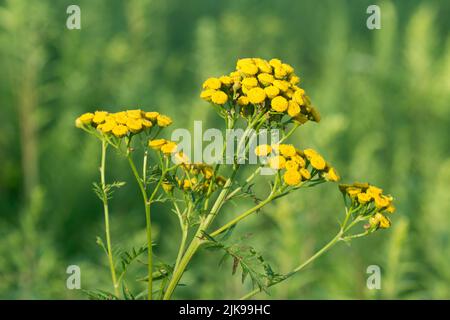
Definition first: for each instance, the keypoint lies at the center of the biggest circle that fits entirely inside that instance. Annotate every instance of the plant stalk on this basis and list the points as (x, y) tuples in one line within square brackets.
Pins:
[(106, 212)]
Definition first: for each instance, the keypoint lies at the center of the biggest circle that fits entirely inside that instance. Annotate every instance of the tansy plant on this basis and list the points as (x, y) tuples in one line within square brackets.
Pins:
[(258, 95)]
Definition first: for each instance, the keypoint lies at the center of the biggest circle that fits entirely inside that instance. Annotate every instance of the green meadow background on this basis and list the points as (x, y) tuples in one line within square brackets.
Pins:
[(384, 98)]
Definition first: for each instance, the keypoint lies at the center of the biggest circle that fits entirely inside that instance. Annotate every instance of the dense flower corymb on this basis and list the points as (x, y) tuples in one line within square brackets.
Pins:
[(298, 165), (371, 201), (270, 86), (123, 123)]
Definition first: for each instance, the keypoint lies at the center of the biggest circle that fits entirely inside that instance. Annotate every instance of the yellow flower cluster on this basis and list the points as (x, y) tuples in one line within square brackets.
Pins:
[(198, 178), (370, 196), (123, 123), (298, 165), (271, 85), (163, 145)]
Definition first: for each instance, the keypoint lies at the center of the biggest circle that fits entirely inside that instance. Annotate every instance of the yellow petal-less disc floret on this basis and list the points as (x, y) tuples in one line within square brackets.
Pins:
[(86, 118), (256, 95), (279, 104), (243, 100), (219, 97), (99, 117), (163, 121), (249, 69), (277, 162), (298, 96), (226, 80), (293, 109), (364, 197), (157, 143), (108, 126), (266, 79), (305, 173), (292, 177), (152, 115), (287, 150), (250, 82), (134, 114), (332, 175), (271, 91), (134, 125), (263, 150), (120, 131), (212, 83), (291, 165), (169, 147)]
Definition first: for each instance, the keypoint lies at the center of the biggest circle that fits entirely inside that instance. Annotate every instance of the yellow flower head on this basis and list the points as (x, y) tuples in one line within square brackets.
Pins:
[(292, 177), (277, 162), (280, 72), (146, 123), (169, 147), (120, 131), (380, 221), (382, 201), (163, 121), (167, 186), (181, 158), (208, 172), (226, 80), (265, 78), (134, 125), (299, 160), (212, 83), (152, 115), (316, 160), (279, 104), (291, 165), (281, 84), (305, 173), (250, 82), (263, 150), (374, 191), (219, 97), (249, 68), (263, 65), (121, 117), (332, 175), (287, 150), (271, 91), (298, 96), (364, 197), (275, 62), (86, 118), (134, 114), (294, 80), (108, 126), (390, 209), (243, 100), (99, 117), (157, 143), (293, 109), (256, 95)]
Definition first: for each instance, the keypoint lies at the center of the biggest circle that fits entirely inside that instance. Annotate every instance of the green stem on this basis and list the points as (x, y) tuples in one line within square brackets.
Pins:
[(324, 249), (197, 240), (148, 226), (106, 211), (241, 216), (184, 234), (328, 246)]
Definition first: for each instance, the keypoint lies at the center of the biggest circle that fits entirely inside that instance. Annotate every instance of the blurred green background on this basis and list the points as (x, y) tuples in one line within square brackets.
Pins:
[(384, 98)]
